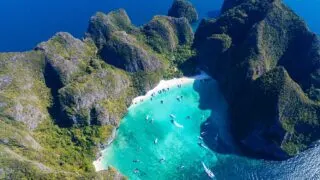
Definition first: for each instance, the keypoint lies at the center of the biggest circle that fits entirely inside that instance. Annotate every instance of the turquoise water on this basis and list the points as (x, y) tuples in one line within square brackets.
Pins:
[(179, 148), (134, 147)]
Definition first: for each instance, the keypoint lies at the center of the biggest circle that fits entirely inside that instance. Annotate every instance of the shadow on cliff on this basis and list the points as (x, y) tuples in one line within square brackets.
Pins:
[(215, 130), (53, 82)]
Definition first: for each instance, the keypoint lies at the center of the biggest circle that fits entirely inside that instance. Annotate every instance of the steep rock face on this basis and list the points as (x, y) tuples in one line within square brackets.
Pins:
[(146, 52), (165, 34), (125, 52), (132, 45), (24, 96), (67, 55), (101, 26), (242, 49), (183, 8), (283, 115), (86, 82), (86, 101)]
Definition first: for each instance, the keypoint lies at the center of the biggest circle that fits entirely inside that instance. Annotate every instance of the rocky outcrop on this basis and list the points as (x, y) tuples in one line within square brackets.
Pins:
[(101, 26), (131, 48), (125, 52), (70, 94), (24, 96), (144, 52), (165, 34), (86, 101), (183, 8), (68, 56), (267, 62)]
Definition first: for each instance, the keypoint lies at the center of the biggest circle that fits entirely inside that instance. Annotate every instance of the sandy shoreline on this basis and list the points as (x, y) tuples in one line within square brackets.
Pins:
[(166, 85), (163, 85), (98, 165)]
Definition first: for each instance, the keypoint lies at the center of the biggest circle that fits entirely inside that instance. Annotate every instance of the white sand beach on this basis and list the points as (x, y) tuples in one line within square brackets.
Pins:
[(165, 84), (98, 165)]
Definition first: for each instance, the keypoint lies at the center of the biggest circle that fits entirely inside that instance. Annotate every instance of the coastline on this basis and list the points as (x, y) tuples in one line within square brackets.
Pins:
[(163, 85), (98, 165), (167, 84)]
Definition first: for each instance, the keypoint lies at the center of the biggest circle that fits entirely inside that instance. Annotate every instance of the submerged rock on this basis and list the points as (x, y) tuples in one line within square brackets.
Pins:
[(183, 8), (267, 62)]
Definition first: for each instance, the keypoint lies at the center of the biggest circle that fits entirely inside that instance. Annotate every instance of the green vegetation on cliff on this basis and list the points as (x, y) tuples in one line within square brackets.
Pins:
[(50, 152), (61, 102), (267, 62), (183, 8)]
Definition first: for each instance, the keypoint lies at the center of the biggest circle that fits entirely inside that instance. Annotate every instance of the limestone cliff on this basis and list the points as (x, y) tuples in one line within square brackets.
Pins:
[(267, 62), (60, 102), (183, 8)]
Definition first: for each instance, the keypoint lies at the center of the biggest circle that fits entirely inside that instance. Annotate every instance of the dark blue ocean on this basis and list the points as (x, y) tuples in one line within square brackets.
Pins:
[(25, 23)]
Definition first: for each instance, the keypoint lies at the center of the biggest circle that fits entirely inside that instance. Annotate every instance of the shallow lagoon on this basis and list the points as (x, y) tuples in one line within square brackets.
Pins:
[(134, 147), (179, 148)]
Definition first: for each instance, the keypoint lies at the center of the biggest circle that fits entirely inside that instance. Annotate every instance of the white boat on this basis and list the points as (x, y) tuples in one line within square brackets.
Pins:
[(208, 171), (147, 117), (156, 141), (177, 124), (204, 146), (172, 116)]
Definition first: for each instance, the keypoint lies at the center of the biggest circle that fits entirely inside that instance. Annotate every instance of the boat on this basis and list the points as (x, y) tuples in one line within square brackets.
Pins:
[(147, 117), (136, 170), (208, 171), (200, 137), (162, 160), (202, 145), (136, 161), (216, 138), (172, 116), (156, 141), (177, 124)]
